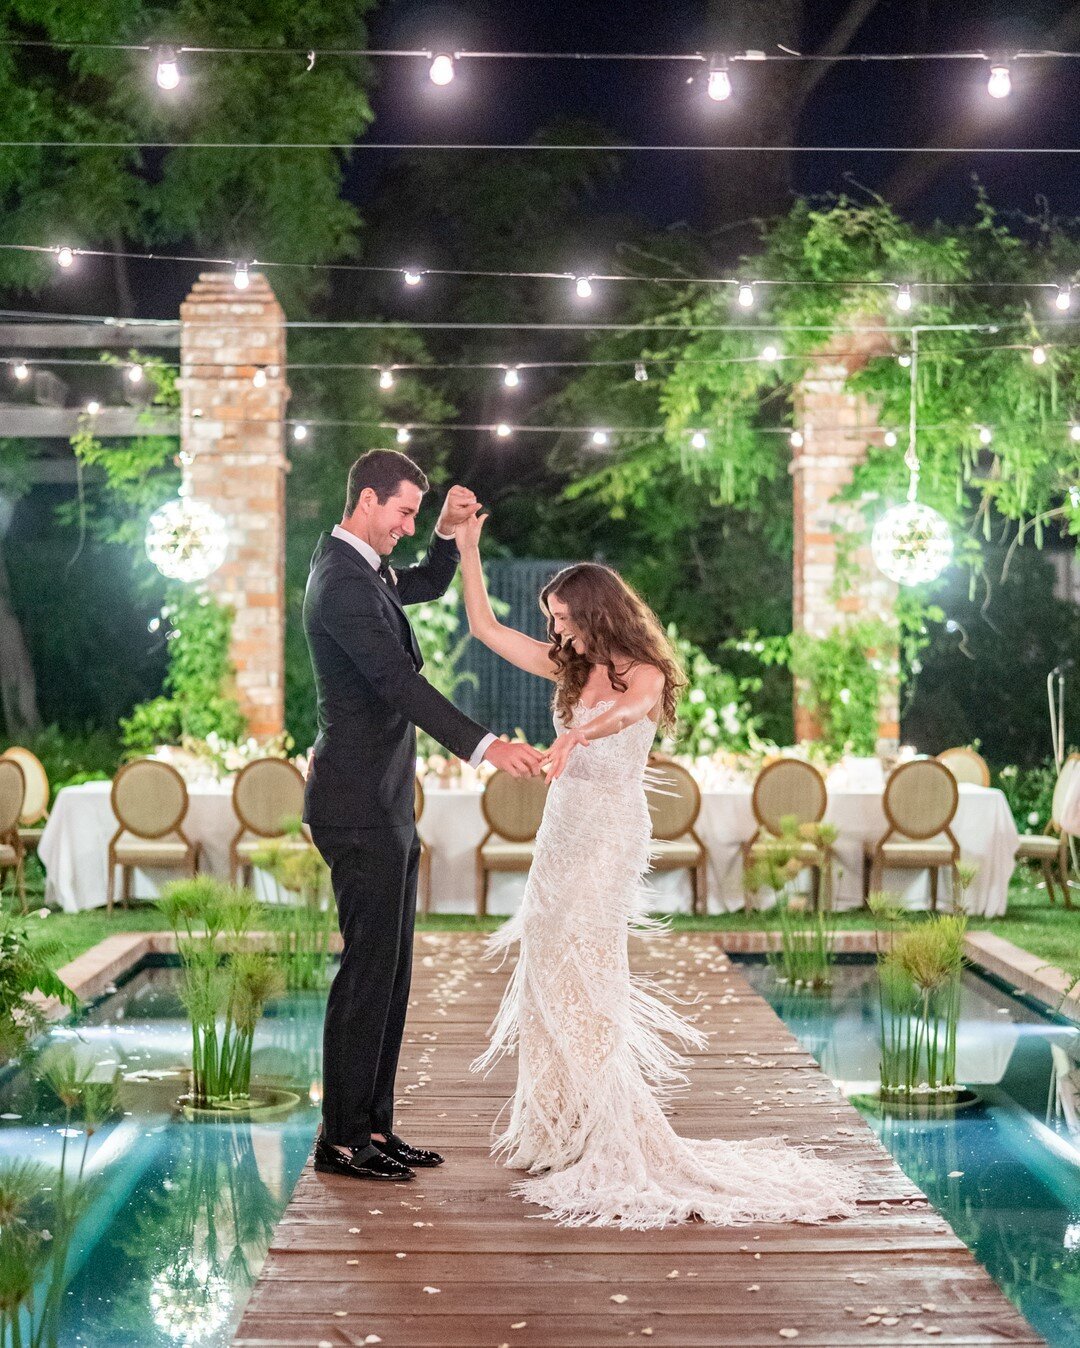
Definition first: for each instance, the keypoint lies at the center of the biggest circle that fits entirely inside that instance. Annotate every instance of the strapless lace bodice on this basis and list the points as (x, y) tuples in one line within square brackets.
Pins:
[(616, 761)]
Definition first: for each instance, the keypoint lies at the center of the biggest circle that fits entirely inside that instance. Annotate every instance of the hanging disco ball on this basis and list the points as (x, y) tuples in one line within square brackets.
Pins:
[(186, 539), (911, 544)]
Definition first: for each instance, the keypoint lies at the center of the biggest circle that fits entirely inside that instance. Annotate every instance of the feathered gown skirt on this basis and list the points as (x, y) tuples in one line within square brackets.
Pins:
[(596, 1061)]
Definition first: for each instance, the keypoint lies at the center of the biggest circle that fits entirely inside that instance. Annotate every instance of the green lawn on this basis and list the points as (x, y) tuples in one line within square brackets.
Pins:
[(1050, 932)]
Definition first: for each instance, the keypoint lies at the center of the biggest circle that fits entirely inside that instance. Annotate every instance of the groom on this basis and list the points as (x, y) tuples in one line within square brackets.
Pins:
[(359, 796)]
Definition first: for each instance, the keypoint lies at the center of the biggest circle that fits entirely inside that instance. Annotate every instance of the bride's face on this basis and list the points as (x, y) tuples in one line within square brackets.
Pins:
[(565, 630)]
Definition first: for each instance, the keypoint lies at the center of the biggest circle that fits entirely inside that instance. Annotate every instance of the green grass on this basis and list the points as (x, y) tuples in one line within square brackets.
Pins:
[(1050, 932)]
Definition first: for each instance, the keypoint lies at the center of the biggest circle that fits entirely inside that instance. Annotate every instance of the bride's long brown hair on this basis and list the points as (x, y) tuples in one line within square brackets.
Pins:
[(612, 620)]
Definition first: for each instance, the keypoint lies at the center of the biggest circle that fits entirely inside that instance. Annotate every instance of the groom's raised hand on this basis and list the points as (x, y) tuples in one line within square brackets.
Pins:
[(460, 504)]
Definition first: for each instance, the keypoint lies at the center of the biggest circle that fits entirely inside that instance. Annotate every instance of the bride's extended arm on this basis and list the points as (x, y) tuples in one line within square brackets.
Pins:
[(644, 687), (516, 647)]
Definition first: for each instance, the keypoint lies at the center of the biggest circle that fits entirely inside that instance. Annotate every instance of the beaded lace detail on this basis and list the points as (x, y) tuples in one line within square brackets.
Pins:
[(596, 1061)]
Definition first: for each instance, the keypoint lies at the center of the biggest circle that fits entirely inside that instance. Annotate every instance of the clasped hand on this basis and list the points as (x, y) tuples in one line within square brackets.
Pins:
[(556, 757)]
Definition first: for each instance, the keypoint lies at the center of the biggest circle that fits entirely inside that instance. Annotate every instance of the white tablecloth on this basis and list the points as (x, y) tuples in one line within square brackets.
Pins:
[(73, 848)]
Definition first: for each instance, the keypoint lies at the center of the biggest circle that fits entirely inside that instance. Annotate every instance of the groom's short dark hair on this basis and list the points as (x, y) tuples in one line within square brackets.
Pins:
[(383, 470)]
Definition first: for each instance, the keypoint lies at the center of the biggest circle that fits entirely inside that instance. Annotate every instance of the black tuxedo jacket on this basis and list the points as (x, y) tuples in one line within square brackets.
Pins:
[(371, 695)]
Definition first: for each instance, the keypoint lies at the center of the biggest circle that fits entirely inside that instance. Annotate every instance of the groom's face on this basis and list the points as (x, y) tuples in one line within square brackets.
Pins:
[(393, 519)]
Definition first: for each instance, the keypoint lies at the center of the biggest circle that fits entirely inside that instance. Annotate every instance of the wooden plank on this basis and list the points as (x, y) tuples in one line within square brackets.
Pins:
[(350, 1260)]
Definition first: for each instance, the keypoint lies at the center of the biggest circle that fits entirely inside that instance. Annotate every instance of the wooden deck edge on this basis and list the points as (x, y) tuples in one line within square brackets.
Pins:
[(1025, 971)]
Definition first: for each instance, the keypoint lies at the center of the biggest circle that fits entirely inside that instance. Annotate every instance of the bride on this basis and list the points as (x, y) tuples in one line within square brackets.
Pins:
[(586, 1120)]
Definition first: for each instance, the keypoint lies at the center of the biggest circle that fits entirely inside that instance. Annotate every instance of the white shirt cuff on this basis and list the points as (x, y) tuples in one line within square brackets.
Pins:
[(449, 538), (480, 750)]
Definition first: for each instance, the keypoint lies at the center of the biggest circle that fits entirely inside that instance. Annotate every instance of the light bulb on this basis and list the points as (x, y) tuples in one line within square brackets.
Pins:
[(259, 378), (583, 287), (796, 439), (746, 295), (1074, 431), (1038, 355), (698, 440), (599, 438), (135, 374), (241, 280), (986, 435), (403, 437), (386, 379), (641, 374), (511, 378), (502, 430), (93, 407), (413, 278), (21, 370), (441, 69), (903, 299), (1063, 298), (890, 439), (168, 72), (299, 432), (64, 256), (719, 82), (999, 85), (770, 353), (904, 360)]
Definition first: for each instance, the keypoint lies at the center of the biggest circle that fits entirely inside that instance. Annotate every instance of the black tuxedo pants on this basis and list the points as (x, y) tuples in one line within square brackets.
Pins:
[(374, 874)]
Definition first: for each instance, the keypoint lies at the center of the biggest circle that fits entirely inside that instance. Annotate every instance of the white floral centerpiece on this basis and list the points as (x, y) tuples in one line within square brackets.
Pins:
[(216, 759)]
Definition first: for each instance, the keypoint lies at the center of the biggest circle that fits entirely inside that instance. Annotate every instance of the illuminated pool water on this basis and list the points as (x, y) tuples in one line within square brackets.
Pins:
[(1005, 1173)]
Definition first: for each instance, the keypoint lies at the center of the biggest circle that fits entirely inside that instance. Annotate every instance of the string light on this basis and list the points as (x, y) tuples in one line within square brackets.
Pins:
[(403, 437), (412, 277), (21, 370), (168, 71), (999, 85), (719, 81), (746, 295), (1063, 298), (93, 407), (65, 257), (986, 435), (890, 439), (600, 438), (769, 353), (1038, 355), (903, 360), (511, 377), (241, 280), (441, 69), (386, 379), (300, 432), (903, 298), (582, 287), (259, 378), (135, 374), (641, 374), (699, 440), (796, 439), (502, 430), (1074, 431)]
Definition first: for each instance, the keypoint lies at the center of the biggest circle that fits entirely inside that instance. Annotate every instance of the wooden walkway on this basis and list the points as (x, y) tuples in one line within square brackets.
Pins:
[(453, 1259)]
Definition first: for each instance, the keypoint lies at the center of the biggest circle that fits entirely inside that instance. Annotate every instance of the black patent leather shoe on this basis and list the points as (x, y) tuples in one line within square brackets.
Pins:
[(360, 1163), (396, 1150)]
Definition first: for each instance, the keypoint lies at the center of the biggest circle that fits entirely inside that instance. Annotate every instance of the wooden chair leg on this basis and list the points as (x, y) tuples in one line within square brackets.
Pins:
[(693, 891), (425, 880), (703, 887), (110, 885), (933, 888), (1048, 879), (127, 875), (481, 888), (20, 882), (1063, 875)]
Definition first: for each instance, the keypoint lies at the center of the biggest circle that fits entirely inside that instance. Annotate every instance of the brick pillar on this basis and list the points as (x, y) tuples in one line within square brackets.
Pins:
[(235, 430), (837, 427)]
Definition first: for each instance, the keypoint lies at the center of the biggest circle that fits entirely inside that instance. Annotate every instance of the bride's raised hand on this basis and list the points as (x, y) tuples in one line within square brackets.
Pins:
[(467, 534)]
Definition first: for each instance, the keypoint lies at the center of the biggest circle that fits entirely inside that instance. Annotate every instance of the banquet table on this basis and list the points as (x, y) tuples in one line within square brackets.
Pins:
[(73, 847)]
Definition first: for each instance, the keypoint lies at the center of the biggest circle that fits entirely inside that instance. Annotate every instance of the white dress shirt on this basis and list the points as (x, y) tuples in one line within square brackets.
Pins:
[(375, 561)]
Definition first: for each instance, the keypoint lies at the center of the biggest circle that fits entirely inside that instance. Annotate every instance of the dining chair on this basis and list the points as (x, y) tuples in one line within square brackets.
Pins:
[(513, 808), (966, 765), (35, 810), (674, 804), (1051, 849), (789, 788), (12, 796), (150, 801), (268, 796), (920, 802)]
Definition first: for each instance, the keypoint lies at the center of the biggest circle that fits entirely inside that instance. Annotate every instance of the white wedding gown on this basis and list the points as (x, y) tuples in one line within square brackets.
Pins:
[(586, 1120)]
